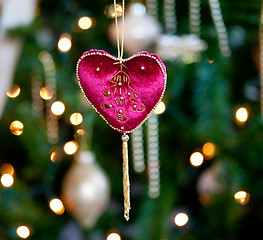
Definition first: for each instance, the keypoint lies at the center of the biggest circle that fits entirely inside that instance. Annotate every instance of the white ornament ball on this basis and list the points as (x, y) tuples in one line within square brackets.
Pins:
[(85, 190), (140, 29)]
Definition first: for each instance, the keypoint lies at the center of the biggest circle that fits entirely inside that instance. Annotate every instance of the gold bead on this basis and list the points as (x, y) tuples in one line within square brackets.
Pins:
[(125, 138)]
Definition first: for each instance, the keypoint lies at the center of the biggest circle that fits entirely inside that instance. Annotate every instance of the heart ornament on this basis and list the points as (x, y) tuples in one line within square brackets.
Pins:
[(124, 93)]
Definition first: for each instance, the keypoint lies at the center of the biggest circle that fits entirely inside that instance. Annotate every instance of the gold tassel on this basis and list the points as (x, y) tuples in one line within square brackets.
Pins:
[(126, 182)]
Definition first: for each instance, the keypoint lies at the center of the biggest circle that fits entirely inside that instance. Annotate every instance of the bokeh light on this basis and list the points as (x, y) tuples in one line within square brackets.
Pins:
[(46, 93), (58, 108), (210, 61), (114, 236), (209, 150), (57, 206), (196, 159), (85, 23), (160, 108), (7, 180), (110, 10), (16, 127), (80, 132), (71, 147), (64, 43), (7, 168), (242, 114), (181, 219), (23, 232), (242, 197), (56, 154), (76, 118), (14, 91)]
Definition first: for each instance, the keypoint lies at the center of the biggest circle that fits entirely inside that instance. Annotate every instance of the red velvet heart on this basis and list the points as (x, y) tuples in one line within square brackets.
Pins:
[(124, 94)]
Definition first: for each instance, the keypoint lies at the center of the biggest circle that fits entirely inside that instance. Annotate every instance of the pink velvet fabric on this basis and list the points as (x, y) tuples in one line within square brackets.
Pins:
[(123, 95)]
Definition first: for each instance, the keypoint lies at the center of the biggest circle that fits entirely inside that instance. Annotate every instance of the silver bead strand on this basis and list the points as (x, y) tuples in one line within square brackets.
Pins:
[(138, 150), (152, 8), (153, 164), (170, 21), (50, 82), (194, 17), (220, 27)]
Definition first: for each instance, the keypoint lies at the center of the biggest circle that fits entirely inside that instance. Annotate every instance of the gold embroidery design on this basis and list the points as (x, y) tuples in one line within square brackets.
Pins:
[(121, 97)]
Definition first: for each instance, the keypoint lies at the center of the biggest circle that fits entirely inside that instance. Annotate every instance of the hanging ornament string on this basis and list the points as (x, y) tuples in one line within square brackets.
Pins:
[(261, 58), (124, 138), (120, 48)]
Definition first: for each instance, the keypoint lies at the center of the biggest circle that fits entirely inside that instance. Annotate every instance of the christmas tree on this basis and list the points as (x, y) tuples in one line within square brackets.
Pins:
[(61, 165)]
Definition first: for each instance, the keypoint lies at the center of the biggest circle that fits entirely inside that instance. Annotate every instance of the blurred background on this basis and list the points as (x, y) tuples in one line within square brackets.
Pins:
[(195, 166)]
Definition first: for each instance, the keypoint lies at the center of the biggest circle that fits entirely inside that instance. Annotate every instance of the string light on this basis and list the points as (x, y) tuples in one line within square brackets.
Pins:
[(242, 115), (114, 236), (196, 159), (14, 91), (209, 150), (57, 206), (23, 232), (45, 93), (242, 197), (160, 108), (64, 43), (58, 108), (181, 219), (7, 168), (16, 127), (85, 23), (76, 118), (70, 147), (7, 180)]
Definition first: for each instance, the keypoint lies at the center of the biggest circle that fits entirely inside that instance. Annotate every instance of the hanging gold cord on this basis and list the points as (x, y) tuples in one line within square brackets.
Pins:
[(126, 182), (120, 49)]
